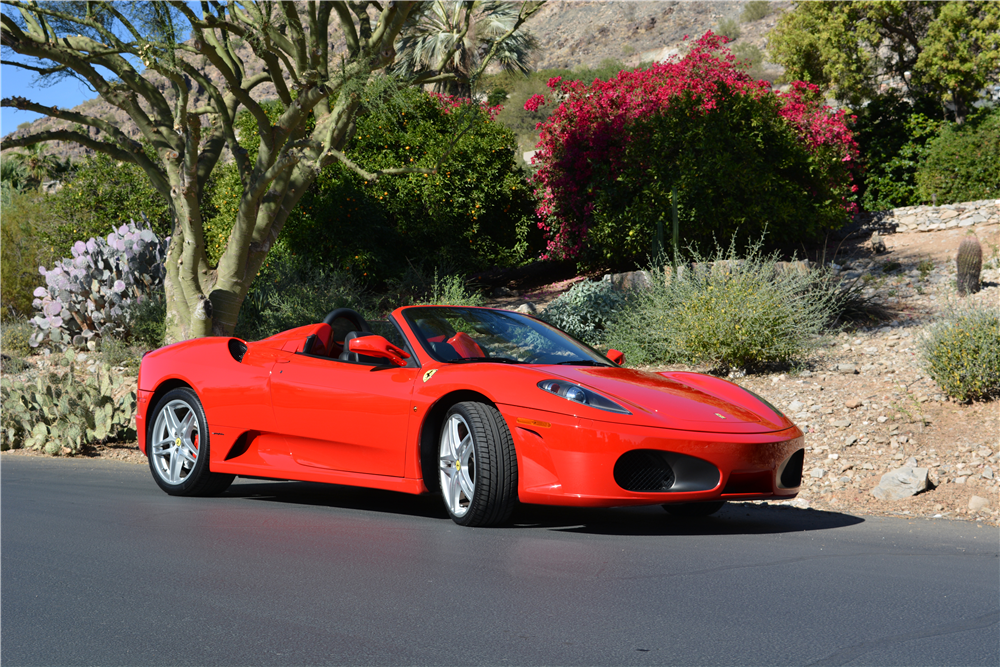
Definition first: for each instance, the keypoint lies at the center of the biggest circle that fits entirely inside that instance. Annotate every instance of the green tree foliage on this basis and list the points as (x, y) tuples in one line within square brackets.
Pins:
[(892, 134), (963, 162), (105, 194), (945, 51), (477, 211)]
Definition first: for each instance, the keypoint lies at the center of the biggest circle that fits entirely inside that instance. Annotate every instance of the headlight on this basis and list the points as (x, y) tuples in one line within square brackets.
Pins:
[(578, 394)]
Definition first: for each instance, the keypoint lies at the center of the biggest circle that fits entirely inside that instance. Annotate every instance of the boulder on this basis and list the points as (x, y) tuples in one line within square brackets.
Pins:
[(902, 483)]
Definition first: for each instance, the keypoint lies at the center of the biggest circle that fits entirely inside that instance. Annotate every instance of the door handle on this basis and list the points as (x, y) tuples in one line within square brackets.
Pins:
[(282, 361)]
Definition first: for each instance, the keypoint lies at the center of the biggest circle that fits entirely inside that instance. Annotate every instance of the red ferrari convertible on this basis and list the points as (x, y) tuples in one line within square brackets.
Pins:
[(487, 407)]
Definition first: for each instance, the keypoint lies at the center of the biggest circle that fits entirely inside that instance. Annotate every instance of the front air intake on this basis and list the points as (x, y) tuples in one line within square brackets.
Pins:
[(644, 470)]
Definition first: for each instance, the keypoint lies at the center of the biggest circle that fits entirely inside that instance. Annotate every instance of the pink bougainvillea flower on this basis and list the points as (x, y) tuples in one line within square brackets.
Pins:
[(534, 102), (592, 127)]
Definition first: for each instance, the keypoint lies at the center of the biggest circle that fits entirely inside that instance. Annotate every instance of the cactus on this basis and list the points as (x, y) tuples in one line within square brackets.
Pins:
[(59, 412), (91, 294), (970, 263)]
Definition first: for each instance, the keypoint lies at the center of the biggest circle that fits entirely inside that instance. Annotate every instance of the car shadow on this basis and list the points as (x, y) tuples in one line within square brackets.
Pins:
[(337, 496), (732, 519)]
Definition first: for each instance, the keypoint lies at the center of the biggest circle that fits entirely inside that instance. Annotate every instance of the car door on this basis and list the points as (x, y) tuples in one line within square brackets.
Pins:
[(343, 416)]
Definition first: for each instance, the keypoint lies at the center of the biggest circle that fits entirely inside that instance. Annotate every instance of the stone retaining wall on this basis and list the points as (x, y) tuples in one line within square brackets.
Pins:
[(931, 218)]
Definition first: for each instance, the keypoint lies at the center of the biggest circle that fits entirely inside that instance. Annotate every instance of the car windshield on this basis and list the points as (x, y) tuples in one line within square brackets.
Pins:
[(465, 335)]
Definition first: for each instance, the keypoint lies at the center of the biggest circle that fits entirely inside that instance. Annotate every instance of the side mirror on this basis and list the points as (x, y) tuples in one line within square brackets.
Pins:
[(377, 346), (616, 357)]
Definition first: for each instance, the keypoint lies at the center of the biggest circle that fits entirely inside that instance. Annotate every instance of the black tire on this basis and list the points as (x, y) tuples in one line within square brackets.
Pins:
[(177, 447), (476, 436), (694, 510)]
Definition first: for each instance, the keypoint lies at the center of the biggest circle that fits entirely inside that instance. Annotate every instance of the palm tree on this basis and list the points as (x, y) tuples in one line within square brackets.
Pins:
[(37, 166), (443, 44)]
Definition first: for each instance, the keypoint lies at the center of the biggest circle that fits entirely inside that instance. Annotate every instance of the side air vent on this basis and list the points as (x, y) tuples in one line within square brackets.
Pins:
[(790, 472), (644, 470), (237, 348)]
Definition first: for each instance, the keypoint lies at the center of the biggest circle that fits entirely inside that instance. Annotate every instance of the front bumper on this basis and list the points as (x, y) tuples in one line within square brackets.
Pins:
[(572, 461)]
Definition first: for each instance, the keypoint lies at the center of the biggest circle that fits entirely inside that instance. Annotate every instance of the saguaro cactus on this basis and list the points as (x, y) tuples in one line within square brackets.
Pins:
[(970, 263)]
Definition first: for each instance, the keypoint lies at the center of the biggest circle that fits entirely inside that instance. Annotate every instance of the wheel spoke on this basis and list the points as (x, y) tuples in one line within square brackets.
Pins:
[(456, 494), (188, 425), (187, 452), (466, 483), (171, 419), (176, 466), (465, 449)]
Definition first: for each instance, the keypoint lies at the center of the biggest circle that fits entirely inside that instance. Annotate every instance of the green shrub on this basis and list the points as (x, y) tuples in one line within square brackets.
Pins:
[(752, 56), (587, 310), (962, 354), (729, 28), (739, 173), (149, 326), (60, 411), (963, 162), (14, 336), (291, 292), (22, 227), (755, 10), (449, 290), (728, 312)]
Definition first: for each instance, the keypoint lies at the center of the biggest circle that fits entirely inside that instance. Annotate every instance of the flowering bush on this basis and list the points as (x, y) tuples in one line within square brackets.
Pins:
[(741, 156)]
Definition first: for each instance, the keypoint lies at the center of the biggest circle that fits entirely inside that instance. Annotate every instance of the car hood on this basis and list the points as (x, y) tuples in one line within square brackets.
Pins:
[(678, 400)]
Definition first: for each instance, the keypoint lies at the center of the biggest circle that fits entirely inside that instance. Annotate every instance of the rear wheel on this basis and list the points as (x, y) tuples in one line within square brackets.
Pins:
[(694, 510), (477, 465), (177, 444)]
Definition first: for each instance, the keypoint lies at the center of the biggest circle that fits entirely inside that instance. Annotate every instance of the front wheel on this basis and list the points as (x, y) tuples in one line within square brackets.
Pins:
[(177, 444), (477, 465), (694, 510)]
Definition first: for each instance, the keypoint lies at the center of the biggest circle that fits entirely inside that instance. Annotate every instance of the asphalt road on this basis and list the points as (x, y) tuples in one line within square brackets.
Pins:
[(99, 567)]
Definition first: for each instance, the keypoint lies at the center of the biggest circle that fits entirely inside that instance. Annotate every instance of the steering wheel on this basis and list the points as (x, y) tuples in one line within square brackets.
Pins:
[(343, 321)]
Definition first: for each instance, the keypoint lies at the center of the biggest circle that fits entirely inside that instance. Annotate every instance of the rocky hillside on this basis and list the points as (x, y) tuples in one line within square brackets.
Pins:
[(570, 34)]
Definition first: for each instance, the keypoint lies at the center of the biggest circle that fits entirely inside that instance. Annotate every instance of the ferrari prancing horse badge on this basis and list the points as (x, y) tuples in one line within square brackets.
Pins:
[(429, 374)]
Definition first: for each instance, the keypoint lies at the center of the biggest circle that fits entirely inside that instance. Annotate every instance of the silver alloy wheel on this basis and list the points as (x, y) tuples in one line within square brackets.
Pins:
[(174, 449), (458, 465)]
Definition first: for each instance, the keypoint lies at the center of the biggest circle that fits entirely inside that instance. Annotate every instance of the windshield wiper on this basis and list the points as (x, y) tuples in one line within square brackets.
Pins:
[(579, 362)]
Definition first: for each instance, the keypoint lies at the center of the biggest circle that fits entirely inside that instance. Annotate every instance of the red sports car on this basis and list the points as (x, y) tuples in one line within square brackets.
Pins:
[(487, 407)]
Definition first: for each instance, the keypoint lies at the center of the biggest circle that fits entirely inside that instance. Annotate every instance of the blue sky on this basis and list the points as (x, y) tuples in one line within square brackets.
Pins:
[(14, 81)]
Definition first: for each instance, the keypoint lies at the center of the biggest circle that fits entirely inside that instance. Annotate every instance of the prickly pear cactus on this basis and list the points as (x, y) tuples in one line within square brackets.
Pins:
[(58, 413), (90, 295), (970, 263)]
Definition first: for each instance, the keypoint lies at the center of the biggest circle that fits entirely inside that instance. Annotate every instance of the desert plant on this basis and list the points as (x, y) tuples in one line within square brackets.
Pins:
[(729, 28), (969, 262), (15, 333), (729, 312), (91, 295), (450, 290), (755, 10), (587, 310), (962, 354), (60, 413)]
